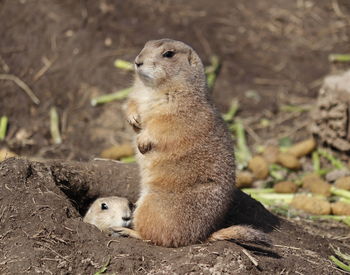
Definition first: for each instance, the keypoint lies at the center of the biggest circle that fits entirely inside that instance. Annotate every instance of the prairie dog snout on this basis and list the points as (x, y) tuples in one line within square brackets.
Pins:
[(110, 212)]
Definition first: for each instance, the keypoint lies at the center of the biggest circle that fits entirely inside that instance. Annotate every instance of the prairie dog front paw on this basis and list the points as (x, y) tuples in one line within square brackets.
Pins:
[(135, 121), (144, 144), (132, 115), (124, 232)]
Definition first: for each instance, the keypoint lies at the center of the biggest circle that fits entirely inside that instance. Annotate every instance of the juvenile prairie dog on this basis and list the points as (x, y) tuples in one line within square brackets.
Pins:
[(109, 212), (185, 152)]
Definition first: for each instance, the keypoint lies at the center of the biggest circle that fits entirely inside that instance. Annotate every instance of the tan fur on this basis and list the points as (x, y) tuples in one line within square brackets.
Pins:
[(119, 213), (239, 233), (185, 150), (111, 221)]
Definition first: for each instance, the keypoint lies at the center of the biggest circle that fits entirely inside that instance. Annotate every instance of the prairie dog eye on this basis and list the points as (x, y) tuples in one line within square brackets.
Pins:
[(104, 206), (169, 54)]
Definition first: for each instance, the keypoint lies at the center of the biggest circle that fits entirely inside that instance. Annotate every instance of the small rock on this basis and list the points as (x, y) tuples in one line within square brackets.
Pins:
[(6, 154), (302, 148), (343, 183), (118, 151), (319, 187), (270, 154), (288, 160), (244, 179), (308, 179), (108, 42), (341, 208), (285, 187), (311, 205), (69, 33), (259, 167), (336, 174)]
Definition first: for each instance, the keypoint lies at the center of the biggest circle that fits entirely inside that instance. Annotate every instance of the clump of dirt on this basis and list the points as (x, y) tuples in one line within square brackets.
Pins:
[(331, 115), (42, 230)]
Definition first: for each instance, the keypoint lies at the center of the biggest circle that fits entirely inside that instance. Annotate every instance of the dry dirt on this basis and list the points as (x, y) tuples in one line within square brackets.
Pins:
[(42, 229), (273, 52)]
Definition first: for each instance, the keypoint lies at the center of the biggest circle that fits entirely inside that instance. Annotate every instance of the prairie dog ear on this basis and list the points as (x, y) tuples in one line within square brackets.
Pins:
[(190, 57), (193, 58)]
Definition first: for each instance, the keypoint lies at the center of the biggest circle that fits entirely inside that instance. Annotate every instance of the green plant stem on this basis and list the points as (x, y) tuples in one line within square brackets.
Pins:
[(342, 199), (54, 126), (129, 159), (122, 94), (124, 65), (333, 160), (3, 127), (339, 57), (250, 191), (229, 116), (242, 153), (268, 197), (339, 263), (344, 219), (341, 255), (104, 268), (277, 171), (274, 197), (316, 162), (211, 71), (340, 192)]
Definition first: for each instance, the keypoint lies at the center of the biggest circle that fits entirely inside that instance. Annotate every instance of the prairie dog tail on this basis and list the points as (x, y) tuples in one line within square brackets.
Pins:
[(240, 233)]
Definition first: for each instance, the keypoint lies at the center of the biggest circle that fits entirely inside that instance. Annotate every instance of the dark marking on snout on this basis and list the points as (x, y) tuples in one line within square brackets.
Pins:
[(139, 60)]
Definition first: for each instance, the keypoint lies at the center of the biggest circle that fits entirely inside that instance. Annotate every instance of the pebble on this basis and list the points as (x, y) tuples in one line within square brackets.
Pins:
[(259, 167), (302, 148), (288, 160), (341, 208), (6, 154), (285, 187), (309, 178), (311, 205), (336, 174), (118, 151), (343, 183), (319, 186), (244, 179)]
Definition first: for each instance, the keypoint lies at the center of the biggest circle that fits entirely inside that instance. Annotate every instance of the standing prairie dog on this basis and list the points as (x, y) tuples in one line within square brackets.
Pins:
[(185, 152), (109, 212)]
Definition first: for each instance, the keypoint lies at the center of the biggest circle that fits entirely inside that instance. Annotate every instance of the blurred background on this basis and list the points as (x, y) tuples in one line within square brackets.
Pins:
[(273, 55)]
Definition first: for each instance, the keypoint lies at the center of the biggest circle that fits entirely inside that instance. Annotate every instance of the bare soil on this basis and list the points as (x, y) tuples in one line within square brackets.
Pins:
[(273, 52), (42, 229)]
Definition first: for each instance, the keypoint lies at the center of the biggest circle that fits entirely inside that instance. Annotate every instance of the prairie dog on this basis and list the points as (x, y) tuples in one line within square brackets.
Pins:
[(109, 212), (185, 151)]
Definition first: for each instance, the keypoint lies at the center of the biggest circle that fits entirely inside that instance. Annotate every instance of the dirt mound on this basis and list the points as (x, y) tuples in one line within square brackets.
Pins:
[(41, 229)]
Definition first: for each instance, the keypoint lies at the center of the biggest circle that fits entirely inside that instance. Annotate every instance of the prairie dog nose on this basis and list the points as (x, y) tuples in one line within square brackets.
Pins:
[(138, 62)]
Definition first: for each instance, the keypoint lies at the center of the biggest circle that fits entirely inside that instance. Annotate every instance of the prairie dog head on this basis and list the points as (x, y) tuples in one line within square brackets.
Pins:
[(169, 63), (110, 212)]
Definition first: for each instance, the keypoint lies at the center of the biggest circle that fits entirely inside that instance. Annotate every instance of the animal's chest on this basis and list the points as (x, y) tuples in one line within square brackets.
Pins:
[(150, 101)]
